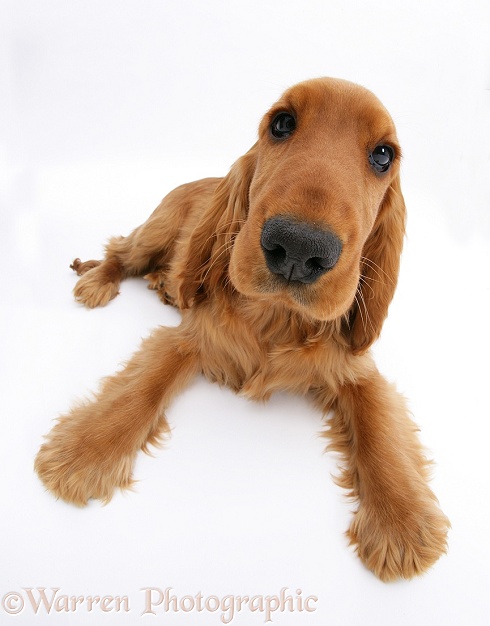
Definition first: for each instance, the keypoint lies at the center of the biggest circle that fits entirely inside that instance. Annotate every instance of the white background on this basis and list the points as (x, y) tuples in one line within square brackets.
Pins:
[(104, 107)]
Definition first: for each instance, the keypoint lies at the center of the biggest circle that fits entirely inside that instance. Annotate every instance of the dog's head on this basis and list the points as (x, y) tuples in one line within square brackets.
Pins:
[(313, 216)]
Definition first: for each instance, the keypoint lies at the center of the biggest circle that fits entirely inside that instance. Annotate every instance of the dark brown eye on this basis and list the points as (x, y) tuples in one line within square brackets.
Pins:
[(283, 125), (381, 158)]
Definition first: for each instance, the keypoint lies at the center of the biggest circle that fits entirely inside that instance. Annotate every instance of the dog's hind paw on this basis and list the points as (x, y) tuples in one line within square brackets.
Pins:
[(91, 291), (82, 267)]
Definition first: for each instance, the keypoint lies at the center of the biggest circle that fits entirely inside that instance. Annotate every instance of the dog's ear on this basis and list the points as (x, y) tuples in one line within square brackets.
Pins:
[(205, 263), (380, 264)]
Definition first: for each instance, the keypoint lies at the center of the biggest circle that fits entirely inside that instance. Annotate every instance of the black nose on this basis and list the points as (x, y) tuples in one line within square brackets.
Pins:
[(299, 251)]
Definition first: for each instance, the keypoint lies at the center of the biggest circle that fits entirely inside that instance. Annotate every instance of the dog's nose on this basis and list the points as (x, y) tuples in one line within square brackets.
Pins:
[(297, 250)]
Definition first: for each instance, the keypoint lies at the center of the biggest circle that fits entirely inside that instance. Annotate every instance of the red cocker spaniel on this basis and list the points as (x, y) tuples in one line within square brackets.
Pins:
[(283, 271)]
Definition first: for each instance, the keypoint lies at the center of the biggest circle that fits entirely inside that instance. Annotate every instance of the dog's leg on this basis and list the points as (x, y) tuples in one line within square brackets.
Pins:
[(398, 528), (148, 249), (90, 451), (124, 256), (100, 281)]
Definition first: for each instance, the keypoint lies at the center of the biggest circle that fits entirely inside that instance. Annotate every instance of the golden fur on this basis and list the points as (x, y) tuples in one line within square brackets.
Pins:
[(244, 327)]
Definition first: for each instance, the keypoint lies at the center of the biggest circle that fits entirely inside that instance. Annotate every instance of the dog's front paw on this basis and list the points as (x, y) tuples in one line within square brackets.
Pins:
[(396, 543), (76, 469)]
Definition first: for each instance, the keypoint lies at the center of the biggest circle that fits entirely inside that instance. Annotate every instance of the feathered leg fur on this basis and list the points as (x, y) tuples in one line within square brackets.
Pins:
[(91, 450), (398, 528)]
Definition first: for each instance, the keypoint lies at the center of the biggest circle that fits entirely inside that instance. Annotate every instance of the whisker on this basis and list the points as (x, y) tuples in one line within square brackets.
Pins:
[(226, 246), (364, 318), (363, 279), (220, 248), (215, 235), (373, 280), (359, 308), (374, 267)]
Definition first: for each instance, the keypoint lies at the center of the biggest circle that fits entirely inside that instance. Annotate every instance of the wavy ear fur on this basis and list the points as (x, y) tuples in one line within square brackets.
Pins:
[(380, 264), (205, 265)]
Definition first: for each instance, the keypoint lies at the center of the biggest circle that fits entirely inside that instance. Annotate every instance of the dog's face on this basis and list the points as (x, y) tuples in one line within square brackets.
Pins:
[(326, 156)]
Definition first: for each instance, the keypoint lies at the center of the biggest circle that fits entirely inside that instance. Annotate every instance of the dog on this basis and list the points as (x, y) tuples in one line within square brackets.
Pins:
[(283, 271)]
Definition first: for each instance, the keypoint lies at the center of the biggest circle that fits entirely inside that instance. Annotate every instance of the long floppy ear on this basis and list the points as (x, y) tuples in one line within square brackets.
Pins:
[(205, 264), (380, 264)]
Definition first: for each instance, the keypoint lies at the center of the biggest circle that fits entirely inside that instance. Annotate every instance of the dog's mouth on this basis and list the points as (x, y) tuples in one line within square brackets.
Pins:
[(295, 264), (270, 282)]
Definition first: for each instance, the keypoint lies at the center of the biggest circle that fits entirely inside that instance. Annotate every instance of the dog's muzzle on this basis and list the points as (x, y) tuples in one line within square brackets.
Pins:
[(299, 251)]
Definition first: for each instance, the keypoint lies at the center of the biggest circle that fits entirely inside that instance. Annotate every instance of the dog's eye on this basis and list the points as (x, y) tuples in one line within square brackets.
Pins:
[(381, 158), (283, 125)]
